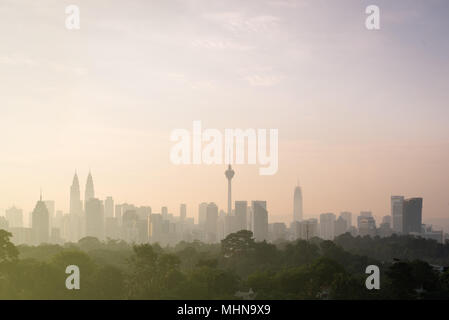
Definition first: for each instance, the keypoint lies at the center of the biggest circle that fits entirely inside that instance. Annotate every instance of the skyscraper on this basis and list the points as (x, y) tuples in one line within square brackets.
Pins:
[(130, 228), (412, 215), (364, 214), (202, 213), (229, 175), (309, 229), (241, 208), (327, 225), (260, 220), (385, 229), (341, 226), (95, 218), (305, 229), (211, 222), (297, 204), (14, 217), (397, 206), (348, 218), (50, 204), (109, 207), (277, 231), (40, 223), (366, 225), (183, 211), (118, 213), (164, 212), (90, 191), (75, 196)]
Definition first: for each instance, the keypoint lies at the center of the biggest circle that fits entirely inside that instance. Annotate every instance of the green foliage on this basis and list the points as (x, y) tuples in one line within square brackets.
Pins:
[(415, 280), (237, 244), (152, 273), (314, 269), (400, 247), (8, 251)]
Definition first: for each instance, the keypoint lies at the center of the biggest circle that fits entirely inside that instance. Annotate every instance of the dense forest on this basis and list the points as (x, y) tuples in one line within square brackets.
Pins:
[(236, 268)]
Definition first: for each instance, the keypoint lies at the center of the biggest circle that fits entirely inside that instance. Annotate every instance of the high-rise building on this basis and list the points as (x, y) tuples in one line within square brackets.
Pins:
[(341, 226), (95, 218), (250, 220), (111, 228), (72, 226), (327, 228), (366, 214), (183, 211), (211, 224), (164, 212), (221, 225), (40, 223), (50, 204), (229, 175), (143, 212), (278, 231), (412, 216), (387, 220), (230, 224), (14, 217), (260, 220), (397, 206), (156, 229), (130, 227), (109, 207), (366, 225), (202, 213), (297, 204), (348, 217), (90, 191), (75, 197), (118, 213), (363, 215), (385, 229), (241, 208), (305, 229)]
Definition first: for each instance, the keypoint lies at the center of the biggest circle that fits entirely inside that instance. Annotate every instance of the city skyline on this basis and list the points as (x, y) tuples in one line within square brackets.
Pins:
[(361, 114), (191, 210), (232, 154), (102, 219)]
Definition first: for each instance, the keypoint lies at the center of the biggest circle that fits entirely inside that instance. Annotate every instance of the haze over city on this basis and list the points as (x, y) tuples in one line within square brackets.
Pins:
[(225, 158), (361, 115)]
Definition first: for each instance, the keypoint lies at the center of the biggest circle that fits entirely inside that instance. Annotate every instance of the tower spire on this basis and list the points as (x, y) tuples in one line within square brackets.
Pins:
[(229, 175), (90, 191)]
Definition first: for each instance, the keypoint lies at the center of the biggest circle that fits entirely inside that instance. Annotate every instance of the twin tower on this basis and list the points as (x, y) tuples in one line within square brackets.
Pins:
[(76, 206)]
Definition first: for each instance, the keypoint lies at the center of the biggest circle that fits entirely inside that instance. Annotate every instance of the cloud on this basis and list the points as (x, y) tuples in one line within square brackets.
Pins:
[(21, 60), (239, 22), (186, 81), (17, 60), (219, 44), (287, 3), (259, 80)]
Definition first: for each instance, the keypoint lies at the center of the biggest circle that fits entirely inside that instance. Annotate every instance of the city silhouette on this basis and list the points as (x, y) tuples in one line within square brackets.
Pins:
[(224, 150)]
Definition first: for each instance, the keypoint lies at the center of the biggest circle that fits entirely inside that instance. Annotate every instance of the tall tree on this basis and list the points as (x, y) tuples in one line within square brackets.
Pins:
[(8, 251)]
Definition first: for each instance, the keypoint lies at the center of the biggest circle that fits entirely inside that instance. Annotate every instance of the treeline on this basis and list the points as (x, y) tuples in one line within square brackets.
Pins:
[(396, 247), (237, 268)]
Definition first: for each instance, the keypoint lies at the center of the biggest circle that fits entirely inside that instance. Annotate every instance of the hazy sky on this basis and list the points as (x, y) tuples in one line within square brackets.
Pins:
[(361, 114)]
